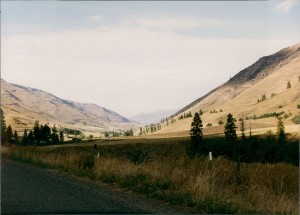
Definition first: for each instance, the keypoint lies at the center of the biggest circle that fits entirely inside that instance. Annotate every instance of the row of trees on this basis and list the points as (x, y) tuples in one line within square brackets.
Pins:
[(185, 115), (265, 148), (42, 135), (148, 129), (126, 133)]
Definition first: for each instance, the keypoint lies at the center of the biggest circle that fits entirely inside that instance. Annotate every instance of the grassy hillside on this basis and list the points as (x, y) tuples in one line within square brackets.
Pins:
[(242, 96)]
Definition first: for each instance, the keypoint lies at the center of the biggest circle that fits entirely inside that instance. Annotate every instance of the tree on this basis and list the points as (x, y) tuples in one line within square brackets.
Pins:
[(16, 137), (200, 112), (130, 132), (243, 129), (91, 137), (220, 122), (9, 133), (61, 136), (288, 85), (263, 97), (30, 138), (3, 128), (280, 131), (196, 130), (229, 129), (37, 131), (25, 138), (54, 136), (45, 133)]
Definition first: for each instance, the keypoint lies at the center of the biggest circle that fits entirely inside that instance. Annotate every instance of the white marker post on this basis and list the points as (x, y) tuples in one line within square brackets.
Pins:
[(210, 159)]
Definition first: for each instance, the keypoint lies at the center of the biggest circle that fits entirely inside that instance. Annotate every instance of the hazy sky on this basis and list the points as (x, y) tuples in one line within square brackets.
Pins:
[(135, 57)]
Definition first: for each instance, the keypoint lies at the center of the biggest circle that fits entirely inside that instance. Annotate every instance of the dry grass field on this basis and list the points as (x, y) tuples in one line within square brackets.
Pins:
[(160, 168)]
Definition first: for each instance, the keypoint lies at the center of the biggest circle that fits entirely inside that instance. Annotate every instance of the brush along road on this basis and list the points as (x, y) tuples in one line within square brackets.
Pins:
[(30, 190)]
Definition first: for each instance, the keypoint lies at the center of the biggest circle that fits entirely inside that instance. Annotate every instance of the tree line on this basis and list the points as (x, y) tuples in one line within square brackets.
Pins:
[(42, 135), (39, 135), (265, 148)]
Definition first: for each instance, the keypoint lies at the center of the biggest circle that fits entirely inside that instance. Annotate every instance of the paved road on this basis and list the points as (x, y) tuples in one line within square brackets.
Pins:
[(30, 190)]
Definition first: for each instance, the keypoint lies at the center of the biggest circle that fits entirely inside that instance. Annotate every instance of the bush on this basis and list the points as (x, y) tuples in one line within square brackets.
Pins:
[(208, 125), (296, 119)]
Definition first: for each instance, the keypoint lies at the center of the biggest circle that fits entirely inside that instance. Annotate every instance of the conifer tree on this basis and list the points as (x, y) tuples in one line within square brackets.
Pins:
[(25, 138), (280, 131), (288, 85), (30, 138), (3, 128), (61, 136), (37, 131), (54, 135), (9, 133), (196, 130), (16, 137), (45, 133), (229, 129), (243, 129)]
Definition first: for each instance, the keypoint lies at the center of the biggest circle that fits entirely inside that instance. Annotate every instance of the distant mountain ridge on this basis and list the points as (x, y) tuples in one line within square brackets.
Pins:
[(24, 105), (152, 117)]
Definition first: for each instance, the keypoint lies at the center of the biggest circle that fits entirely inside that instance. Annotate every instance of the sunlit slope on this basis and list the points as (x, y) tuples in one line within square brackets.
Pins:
[(240, 95)]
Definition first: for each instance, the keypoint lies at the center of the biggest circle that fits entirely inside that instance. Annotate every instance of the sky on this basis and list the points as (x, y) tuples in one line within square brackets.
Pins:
[(134, 57)]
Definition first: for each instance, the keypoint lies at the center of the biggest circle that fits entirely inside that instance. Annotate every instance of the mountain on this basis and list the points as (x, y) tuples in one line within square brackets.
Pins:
[(239, 96), (22, 106), (152, 117)]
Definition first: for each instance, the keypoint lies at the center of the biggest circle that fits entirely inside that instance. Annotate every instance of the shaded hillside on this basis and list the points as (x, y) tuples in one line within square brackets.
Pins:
[(24, 105)]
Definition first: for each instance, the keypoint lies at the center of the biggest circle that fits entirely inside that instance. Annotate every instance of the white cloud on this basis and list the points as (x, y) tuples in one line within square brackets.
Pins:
[(285, 6), (94, 18)]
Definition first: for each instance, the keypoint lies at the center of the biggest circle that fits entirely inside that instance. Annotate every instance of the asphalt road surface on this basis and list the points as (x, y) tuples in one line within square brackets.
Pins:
[(26, 189)]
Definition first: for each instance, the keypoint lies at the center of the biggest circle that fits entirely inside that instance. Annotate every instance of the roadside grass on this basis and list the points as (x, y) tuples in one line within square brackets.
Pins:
[(161, 169)]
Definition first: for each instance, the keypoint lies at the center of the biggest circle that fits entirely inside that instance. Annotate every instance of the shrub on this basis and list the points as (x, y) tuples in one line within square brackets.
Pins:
[(208, 125), (273, 94), (288, 85), (286, 116), (296, 119), (298, 106)]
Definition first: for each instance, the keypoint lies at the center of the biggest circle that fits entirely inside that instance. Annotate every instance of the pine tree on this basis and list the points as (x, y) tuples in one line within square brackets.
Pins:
[(37, 132), (229, 129), (288, 85), (61, 136), (243, 129), (45, 133), (280, 131), (16, 137), (9, 133), (30, 138), (54, 136), (3, 128), (196, 130), (25, 138)]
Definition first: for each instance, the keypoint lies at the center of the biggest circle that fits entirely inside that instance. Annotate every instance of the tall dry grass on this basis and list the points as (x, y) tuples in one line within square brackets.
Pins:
[(209, 187)]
